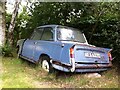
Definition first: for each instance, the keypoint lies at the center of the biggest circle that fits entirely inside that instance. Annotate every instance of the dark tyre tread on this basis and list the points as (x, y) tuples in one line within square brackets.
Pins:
[(51, 69)]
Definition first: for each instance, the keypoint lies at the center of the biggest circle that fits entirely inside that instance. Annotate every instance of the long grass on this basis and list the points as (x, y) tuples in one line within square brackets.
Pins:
[(18, 73)]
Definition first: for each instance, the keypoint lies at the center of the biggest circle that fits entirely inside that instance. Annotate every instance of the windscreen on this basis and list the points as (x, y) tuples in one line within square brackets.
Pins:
[(70, 34)]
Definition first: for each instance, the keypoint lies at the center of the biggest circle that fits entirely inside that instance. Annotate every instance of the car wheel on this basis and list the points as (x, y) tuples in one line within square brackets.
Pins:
[(46, 65)]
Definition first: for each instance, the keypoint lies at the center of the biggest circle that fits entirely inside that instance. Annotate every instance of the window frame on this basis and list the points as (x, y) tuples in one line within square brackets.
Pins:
[(71, 29), (35, 30), (52, 31)]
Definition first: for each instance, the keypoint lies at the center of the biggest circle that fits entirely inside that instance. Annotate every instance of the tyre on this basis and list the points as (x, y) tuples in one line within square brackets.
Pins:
[(46, 65)]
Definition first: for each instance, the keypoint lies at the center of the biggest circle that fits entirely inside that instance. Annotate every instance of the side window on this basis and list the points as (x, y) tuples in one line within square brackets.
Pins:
[(37, 34), (47, 34)]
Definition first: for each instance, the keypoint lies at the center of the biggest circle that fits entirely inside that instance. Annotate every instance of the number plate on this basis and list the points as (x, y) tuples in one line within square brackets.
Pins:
[(92, 54)]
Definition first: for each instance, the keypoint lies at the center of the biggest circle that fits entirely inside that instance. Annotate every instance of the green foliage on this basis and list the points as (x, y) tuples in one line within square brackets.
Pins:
[(100, 21), (20, 26), (7, 50), (17, 74)]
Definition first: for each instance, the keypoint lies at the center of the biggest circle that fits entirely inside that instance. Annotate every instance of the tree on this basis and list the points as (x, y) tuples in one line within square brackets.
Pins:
[(99, 21), (2, 23), (12, 23), (19, 30)]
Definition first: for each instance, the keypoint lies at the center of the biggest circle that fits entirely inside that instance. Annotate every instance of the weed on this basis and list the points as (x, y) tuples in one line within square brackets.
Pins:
[(19, 74)]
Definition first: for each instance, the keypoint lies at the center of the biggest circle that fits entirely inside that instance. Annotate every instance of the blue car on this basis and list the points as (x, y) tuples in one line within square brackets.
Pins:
[(65, 49)]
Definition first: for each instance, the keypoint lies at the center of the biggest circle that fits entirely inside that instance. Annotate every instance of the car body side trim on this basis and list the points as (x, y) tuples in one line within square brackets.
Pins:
[(31, 60)]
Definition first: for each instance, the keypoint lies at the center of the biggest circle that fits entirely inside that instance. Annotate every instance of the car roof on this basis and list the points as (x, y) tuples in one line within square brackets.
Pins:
[(52, 25)]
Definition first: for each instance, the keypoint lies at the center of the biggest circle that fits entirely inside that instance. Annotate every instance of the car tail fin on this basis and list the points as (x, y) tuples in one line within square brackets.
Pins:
[(72, 52), (72, 60), (109, 53)]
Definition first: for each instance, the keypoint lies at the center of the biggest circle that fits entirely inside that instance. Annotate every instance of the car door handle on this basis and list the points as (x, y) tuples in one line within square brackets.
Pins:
[(62, 45), (35, 42)]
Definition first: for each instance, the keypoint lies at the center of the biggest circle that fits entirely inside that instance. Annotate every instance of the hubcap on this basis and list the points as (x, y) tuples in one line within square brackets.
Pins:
[(45, 65)]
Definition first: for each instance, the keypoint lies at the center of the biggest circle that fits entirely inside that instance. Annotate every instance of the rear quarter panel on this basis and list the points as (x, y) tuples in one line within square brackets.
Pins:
[(55, 50)]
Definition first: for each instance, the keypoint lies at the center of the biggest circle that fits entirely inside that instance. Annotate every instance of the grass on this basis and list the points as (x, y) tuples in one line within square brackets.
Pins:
[(22, 74)]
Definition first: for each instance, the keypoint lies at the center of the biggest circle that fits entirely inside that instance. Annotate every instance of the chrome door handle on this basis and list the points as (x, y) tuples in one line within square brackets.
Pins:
[(35, 42)]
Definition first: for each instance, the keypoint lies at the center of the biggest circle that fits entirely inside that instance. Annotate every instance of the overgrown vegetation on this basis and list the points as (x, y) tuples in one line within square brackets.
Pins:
[(7, 50), (23, 74), (99, 21)]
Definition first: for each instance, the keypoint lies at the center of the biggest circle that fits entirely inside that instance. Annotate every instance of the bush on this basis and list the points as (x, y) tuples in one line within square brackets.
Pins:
[(7, 50)]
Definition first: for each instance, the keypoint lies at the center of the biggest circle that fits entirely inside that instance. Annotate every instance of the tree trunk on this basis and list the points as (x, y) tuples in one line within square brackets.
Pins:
[(96, 24), (12, 23), (2, 23)]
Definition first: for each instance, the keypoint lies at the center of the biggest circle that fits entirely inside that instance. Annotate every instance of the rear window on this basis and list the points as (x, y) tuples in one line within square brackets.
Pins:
[(70, 34)]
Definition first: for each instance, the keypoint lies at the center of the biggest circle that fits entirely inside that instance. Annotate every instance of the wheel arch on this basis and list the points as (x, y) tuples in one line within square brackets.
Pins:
[(43, 54), (20, 45), (51, 69)]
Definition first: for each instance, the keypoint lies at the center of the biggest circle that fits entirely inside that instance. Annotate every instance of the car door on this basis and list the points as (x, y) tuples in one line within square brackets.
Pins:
[(45, 44), (29, 44)]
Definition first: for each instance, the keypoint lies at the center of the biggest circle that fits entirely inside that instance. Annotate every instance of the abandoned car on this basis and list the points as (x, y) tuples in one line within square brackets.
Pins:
[(65, 49)]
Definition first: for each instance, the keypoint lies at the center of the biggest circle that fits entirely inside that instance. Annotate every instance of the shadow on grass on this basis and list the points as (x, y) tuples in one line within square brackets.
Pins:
[(58, 78), (57, 73)]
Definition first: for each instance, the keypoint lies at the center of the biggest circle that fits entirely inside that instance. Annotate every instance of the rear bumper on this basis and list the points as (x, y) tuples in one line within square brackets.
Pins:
[(82, 67)]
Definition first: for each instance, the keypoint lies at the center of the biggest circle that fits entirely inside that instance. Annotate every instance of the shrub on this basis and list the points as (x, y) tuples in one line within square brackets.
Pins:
[(7, 50)]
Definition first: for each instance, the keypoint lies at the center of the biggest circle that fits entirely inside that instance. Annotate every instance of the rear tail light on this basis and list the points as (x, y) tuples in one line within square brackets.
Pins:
[(71, 52), (72, 61), (110, 56)]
